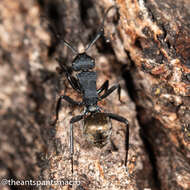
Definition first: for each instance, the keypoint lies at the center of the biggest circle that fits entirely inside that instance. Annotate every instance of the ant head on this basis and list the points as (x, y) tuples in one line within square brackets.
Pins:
[(83, 62)]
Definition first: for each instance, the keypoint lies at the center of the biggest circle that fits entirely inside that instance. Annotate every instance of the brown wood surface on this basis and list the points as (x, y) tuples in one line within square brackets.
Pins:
[(148, 54)]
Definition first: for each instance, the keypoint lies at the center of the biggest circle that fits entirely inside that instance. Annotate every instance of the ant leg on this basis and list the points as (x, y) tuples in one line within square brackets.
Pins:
[(73, 120), (103, 87), (72, 80), (68, 99), (74, 83), (123, 120), (109, 91)]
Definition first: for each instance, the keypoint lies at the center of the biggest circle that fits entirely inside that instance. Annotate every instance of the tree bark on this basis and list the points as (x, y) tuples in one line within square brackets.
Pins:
[(156, 37), (148, 55)]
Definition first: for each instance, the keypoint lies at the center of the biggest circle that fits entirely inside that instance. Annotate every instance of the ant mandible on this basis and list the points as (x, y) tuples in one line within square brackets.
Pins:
[(96, 124)]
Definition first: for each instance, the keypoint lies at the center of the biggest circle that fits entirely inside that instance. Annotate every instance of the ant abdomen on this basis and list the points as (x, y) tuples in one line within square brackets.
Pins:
[(97, 129)]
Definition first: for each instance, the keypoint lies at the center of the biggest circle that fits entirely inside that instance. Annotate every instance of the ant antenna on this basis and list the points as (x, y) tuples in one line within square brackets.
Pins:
[(58, 37), (101, 31), (70, 46)]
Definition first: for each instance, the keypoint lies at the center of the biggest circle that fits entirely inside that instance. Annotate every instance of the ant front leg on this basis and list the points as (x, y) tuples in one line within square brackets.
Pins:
[(109, 91), (125, 121), (69, 100), (73, 120), (72, 80), (74, 83)]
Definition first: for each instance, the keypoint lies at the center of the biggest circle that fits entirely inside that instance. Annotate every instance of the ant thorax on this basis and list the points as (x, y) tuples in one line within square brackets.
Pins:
[(97, 128)]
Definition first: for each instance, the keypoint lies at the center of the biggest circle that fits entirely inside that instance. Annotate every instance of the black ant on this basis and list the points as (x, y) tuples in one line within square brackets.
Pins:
[(97, 125)]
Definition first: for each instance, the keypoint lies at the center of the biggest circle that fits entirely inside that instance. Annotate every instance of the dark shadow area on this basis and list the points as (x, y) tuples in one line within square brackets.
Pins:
[(84, 7), (53, 12), (129, 84), (145, 131), (127, 75), (144, 127)]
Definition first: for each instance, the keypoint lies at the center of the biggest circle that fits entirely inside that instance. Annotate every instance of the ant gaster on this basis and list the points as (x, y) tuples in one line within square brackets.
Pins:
[(96, 124)]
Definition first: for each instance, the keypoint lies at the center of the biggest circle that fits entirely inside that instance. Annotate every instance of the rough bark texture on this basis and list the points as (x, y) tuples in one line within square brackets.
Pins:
[(148, 55), (156, 36)]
